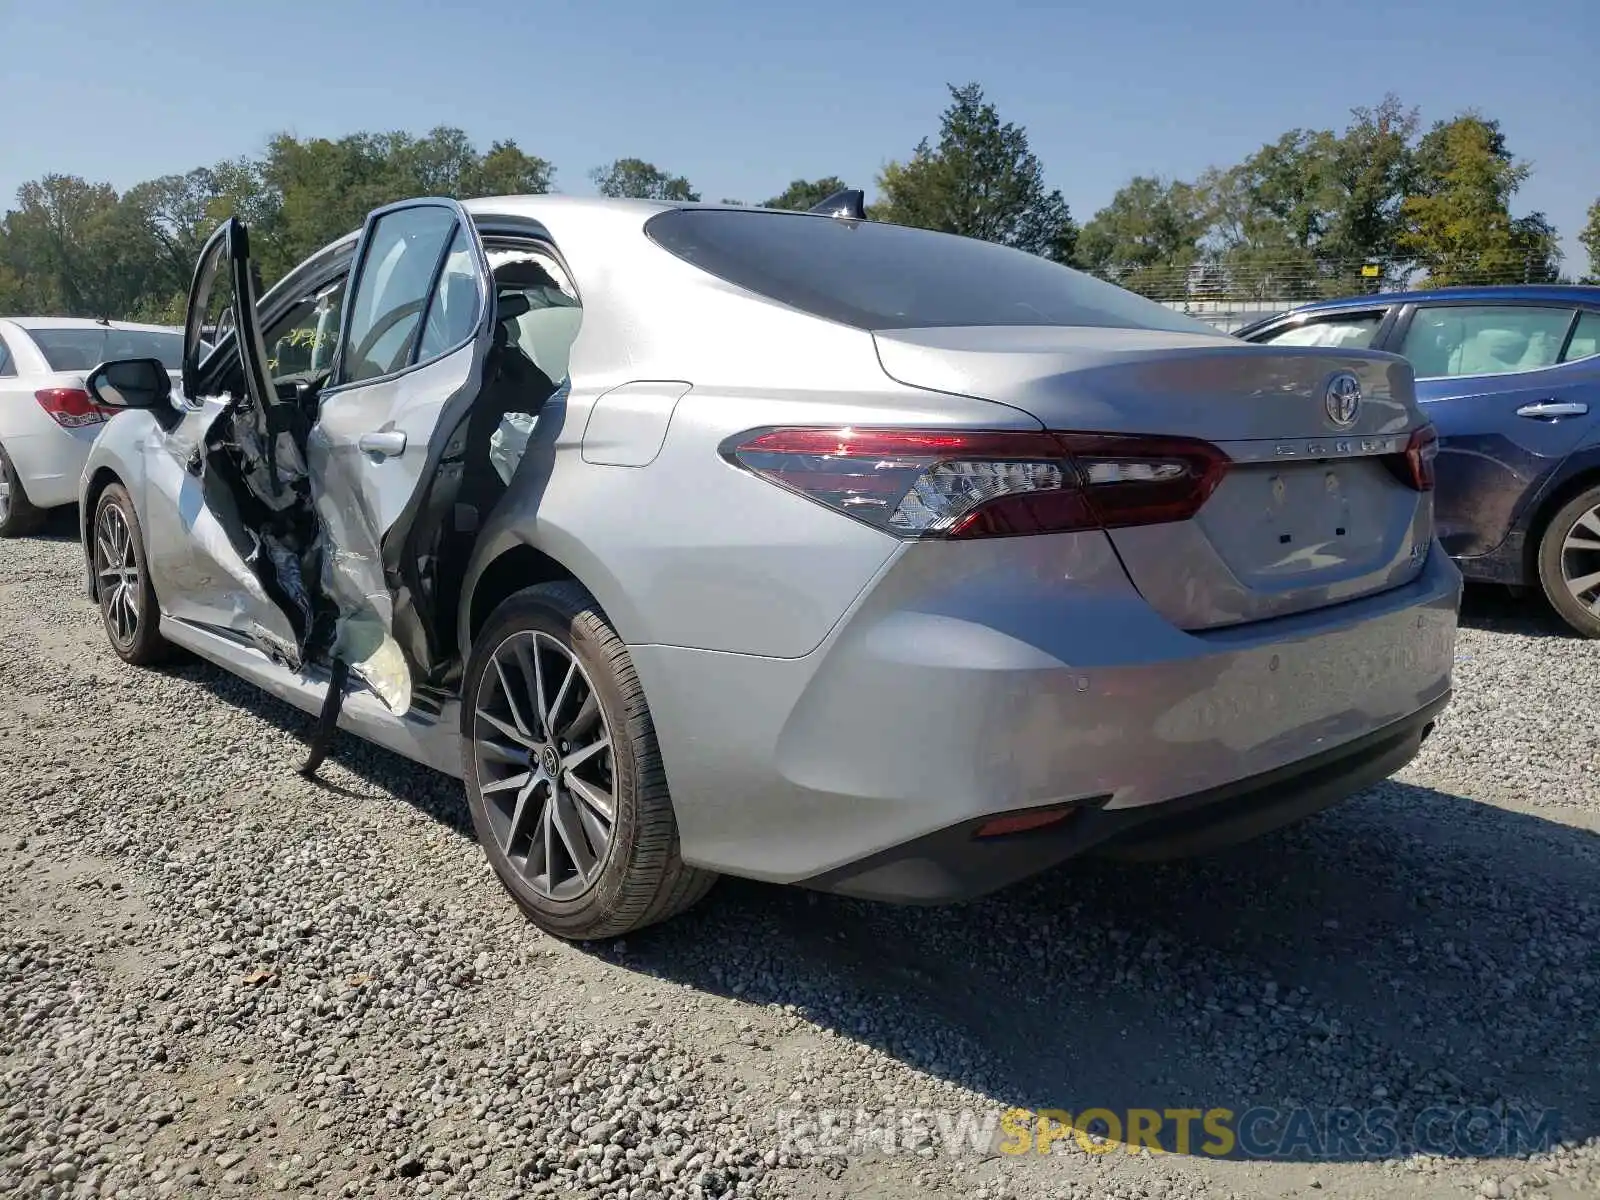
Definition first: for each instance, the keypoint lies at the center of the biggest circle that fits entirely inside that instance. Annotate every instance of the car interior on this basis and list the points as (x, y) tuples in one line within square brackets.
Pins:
[(1482, 341)]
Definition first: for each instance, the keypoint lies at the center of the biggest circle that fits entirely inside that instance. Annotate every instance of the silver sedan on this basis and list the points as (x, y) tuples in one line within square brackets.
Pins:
[(699, 540)]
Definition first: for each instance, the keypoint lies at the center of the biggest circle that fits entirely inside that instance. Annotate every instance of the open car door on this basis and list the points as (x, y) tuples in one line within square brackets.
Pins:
[(358, 452), (225, 491)]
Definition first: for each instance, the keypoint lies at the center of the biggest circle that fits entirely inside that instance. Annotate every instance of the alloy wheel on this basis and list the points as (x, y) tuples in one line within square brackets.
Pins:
[(1580, 560), (5, 493), (545, 770), (117, 570)]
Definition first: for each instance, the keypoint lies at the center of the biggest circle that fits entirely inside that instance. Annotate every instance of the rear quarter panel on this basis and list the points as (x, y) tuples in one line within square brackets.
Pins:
[(687, 549)]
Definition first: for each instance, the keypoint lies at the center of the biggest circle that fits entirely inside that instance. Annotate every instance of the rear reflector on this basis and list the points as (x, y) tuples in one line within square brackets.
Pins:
[(1024, 822), (71, 408), (960, 484), (1421, 450)]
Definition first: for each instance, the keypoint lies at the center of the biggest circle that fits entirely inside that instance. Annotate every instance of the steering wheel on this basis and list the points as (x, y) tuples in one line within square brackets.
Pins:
[(382, 326)]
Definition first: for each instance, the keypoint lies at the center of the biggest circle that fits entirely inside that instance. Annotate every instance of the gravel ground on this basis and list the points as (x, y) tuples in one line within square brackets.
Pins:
[(217, 978)]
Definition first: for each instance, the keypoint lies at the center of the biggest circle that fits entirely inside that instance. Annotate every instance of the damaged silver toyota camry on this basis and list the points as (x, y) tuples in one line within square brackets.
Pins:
[(698, 540)]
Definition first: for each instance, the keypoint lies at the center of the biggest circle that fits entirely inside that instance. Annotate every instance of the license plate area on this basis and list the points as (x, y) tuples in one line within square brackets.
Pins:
[(1294, 521)]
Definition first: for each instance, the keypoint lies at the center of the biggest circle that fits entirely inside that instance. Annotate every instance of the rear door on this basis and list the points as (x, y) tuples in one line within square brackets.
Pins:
[(409, 362), (1501, 383)]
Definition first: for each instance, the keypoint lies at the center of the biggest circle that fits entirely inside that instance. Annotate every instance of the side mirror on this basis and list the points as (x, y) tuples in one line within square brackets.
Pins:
[(130, 383)]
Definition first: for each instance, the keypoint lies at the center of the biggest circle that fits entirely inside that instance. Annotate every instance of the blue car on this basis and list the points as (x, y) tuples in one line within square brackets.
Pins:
[(1511, 378)]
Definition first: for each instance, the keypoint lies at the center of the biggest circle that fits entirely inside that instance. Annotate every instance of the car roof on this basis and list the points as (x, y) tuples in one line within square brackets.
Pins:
[(86, 323), (553, 213), (1560, 293), (534, 205)]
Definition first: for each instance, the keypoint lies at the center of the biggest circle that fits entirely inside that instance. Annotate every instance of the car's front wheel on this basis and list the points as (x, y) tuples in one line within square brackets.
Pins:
[(122, 581), (563, 774), (18, 514), (1569, 562)]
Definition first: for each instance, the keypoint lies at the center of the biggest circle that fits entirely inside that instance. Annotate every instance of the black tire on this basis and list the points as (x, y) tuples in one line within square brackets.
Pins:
[(19, 516), (1552, 549), (138, 641), (640, 878)]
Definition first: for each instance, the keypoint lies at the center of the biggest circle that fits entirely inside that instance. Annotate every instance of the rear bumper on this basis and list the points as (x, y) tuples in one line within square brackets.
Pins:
[(982, 679), (49, 463), (957, 863)]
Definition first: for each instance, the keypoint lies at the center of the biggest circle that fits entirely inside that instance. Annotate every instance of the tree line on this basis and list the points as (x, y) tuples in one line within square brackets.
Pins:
[(1315, 212)]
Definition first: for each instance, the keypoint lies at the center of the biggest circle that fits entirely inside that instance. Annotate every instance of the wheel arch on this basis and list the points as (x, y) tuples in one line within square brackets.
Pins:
[(102, 478), (1581, 472), (500, 574)]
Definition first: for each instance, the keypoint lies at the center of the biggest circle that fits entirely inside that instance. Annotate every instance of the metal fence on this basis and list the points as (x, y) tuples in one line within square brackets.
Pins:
[(1233, 292)]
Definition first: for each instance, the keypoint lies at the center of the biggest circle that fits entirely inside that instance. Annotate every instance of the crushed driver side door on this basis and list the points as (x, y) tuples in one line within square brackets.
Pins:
[(208, 531)]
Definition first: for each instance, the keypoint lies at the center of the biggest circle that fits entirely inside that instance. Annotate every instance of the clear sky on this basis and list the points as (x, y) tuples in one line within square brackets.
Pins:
[(743, 96)]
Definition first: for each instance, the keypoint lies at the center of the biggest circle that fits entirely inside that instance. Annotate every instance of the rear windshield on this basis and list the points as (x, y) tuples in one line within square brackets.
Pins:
[(877, 276), (85, 349)]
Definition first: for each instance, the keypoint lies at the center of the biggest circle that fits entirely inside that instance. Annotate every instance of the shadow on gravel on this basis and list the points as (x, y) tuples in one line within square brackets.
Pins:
[(60, 525), (1362, 988), (1412, 970), (1499, 610), (378, 772)]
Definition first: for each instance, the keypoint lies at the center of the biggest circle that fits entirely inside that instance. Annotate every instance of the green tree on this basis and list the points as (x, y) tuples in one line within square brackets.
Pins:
[(980, 180), (506, 170), (70, 252), (318, 190), (313, 192), (69, 246), (1458, 222), (173, 215), (1266, 216), (1370, 172), (633, 177), (802, 194), (1147, 238), (1590, 237)]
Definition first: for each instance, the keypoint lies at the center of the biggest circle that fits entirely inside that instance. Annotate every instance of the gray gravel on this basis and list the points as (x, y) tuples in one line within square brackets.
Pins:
[(218, 978)]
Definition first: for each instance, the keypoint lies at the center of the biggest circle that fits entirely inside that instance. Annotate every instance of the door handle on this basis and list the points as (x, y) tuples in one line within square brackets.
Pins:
[(383, 443), (1550, 410)]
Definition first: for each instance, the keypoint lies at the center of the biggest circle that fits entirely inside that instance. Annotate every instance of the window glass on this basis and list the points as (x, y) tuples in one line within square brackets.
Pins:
[(545, 332), (392, 290), (301, 344), (1585, 338), (1468, 339), (83, 349), (877, 276), (7, 366), (1343, 332), (453, 312)]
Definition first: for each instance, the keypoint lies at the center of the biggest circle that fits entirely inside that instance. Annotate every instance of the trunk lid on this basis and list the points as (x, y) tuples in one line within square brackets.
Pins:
[(1310, 513)]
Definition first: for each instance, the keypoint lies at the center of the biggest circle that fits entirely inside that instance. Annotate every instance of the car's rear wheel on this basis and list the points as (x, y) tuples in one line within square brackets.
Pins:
[(18, 515), (122, 581), (1569, 562), (563, 774)]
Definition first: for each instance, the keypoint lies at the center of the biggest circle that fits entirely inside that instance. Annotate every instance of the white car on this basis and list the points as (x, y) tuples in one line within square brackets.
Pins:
[(47, 420)]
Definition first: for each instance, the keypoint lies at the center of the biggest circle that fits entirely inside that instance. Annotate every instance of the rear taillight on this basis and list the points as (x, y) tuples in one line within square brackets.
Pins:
[(71, 408), (1414, 465), (915, 483)]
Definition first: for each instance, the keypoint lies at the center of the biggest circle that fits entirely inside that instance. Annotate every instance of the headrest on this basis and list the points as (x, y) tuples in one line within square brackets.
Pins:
[(511, 305)]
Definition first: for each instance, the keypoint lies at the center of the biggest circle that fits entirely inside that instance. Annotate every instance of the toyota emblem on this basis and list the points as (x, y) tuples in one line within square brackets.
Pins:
[(1342, 400)]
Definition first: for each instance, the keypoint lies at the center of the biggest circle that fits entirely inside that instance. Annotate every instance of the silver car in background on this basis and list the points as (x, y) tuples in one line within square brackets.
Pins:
[(700, 539)]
